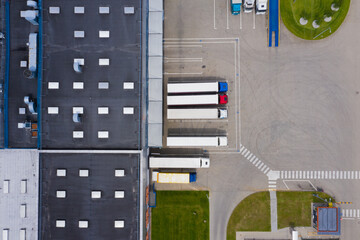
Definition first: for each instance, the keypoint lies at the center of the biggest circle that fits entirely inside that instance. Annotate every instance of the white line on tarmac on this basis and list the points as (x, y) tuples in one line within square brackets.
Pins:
[(227, 14), (194, 73), (254, 21), (240, 21), (214, 14), (181, 46)]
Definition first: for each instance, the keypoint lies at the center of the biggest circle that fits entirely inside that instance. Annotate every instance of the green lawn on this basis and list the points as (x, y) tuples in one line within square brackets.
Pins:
[(294, 208), (252, 214), (291, 11), (180, 215)]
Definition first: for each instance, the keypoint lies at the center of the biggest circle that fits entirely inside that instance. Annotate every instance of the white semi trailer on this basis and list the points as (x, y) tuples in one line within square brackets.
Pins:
[(202, 87), (211, 99), (197, 113), (179, 162), (196, 141)]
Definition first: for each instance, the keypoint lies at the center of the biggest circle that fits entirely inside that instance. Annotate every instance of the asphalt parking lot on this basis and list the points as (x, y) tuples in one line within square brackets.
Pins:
[(298, 104)]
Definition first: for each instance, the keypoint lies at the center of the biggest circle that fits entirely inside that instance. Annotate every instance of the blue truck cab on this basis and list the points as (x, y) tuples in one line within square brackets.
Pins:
[(193, 177), (223, 87), (235, 7)]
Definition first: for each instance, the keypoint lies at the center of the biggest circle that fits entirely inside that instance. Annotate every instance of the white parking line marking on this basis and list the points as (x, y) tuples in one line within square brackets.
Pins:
[(227, 14), (347, 212), (352, 174), (214, 14), (253, 19), (182, 73), (311, 174), (337, 174), (300, 174), (240, 21)]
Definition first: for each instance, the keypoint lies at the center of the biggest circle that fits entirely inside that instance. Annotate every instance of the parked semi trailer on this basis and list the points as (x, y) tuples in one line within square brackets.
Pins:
[(161, 177), (211, 99), (179, 162), (197, 87), (261, 6), (197, 113), (196, 141)]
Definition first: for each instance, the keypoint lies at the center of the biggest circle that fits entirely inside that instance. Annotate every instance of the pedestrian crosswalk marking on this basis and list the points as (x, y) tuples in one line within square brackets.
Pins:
[(350, 213), (336, 175), (254, 160)]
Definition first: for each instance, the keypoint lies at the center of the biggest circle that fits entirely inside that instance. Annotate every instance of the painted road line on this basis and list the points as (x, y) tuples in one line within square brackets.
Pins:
[(263, 168), (252, 159), (214, 14), (249, 156), (260, 165), (272, 182), (227, 14), (242, 148), (266, 170), (256, 160), (246, 154), (244, 151)]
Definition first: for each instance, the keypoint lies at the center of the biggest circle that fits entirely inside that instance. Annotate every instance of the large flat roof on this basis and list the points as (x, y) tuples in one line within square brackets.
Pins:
[(19, 85), (71, 31), (74, 177)]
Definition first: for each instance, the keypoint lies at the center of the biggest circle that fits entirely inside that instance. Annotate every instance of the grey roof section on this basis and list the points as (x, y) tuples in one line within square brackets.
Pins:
[(78, 204), (156, 22), (155, 89), (156, 5), (155, 131), (155, 73), (155, 112), (327, 219), (156, 44), (96, 85), (17, 166), (155, 67)]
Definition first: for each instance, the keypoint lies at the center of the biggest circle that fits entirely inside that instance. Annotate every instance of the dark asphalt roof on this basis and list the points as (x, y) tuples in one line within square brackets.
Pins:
[(78, 204), (123, 51)]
